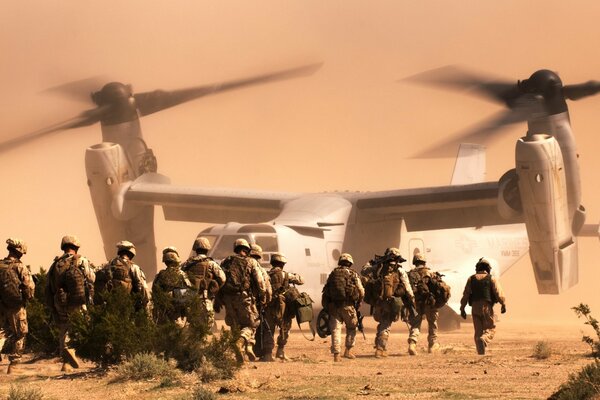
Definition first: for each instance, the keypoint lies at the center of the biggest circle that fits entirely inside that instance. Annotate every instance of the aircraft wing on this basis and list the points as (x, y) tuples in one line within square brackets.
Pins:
[(442, 207), (196, 204)]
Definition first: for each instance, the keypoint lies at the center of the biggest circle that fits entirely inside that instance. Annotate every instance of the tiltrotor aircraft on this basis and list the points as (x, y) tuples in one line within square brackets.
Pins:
[(535, 207)]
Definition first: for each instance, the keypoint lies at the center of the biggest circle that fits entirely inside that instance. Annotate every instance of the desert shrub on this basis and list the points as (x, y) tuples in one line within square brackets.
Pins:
[(583, 310), (581, 386), (42, 336), (24, 393), (113, 330), (542, 350), (202, 394), (145, 366)]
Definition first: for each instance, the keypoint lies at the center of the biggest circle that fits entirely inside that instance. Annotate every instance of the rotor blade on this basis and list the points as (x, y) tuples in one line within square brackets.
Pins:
[(482, 133), (84, 119), (79, 90), (576, 92), (455, 78), (151, 102)]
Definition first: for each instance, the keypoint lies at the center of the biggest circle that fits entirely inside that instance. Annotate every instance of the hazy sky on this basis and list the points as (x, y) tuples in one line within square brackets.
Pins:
[(350, 126)]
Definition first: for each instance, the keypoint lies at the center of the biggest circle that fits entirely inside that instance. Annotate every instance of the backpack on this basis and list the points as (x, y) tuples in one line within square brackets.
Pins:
[(71, 281), (279, 280), (439, 289), (201, 275), (237, 272), (429, 290), (10, 292), (340, 286)]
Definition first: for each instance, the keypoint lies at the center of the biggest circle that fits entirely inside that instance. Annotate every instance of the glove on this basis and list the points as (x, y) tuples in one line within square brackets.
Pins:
[(503, 309), (463, 313)]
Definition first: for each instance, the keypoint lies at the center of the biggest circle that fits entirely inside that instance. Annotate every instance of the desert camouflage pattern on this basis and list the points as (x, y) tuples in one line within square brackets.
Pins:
[(206, 311), (426, 311)]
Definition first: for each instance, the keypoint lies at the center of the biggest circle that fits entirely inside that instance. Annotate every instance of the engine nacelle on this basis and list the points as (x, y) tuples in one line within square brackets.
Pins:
[(509, 197), (109, 175), (543, 193)]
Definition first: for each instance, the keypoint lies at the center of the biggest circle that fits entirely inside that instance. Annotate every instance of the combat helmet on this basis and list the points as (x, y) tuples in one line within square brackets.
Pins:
[(278, 258), (393, 253), (483, 265), (70, 241), (419, 259), (241, 243), (17, 245), (345, 257), (126, 246), (256, 252), (201, 243), (170, 255)]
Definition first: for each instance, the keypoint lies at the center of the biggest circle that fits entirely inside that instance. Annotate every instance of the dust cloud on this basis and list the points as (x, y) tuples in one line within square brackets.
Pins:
[(350, 126)]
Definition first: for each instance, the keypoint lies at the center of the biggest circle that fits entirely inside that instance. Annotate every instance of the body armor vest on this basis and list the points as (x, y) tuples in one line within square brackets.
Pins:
[(481, 289)]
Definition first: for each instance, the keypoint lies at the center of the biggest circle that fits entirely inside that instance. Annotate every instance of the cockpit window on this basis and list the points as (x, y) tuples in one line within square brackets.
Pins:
[(268, 243), (224, 246)]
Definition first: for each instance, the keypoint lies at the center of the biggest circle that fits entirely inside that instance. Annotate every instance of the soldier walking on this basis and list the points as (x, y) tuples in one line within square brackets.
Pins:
[(16, 288), (279, 313), (121, 272), (426, 307), (170, 290), (342, 295), (206, 278), (264, 333), (68, 289), (481, 292), (244, 288), (388, 288)]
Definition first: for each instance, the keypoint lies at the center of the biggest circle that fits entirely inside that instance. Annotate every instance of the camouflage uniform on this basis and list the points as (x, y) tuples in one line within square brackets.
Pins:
[(54, 292), (383, 311), (424, 309), (343, 312), (206, 308), (264, 333), (482, 290), (273, 313), (13, 318), (169, 290), (240, 306)]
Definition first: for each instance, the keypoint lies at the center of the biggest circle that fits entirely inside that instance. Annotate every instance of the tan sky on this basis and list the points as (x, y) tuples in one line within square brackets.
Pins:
[(350, 126)]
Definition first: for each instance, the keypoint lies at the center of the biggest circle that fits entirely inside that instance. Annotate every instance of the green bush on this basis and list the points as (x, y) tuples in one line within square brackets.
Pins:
[(583, 310), (24, 393), (146, 366), (542, 350), (202, 394), (42, 336), (581, 386)]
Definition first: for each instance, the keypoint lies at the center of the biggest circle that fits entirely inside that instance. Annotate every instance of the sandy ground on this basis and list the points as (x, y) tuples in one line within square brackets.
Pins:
[(508, 372)]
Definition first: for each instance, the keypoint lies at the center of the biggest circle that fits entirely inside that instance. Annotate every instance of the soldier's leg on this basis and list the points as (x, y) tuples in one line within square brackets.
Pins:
[(335, 327), (488, 326), (282, 338), (265, 333), (19, 330), (351, 321), (383, 333), (432, 323), (413, 334), (230, 311), (206, 313), (478, 328)]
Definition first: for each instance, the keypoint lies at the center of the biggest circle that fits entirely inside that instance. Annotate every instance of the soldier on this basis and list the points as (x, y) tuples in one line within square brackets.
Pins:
[(16, 287), (279, 312), (342, 295), (244, 288), (122, 272), (69, 288), (391, 288), (170, 290), (264, 333), (481, 292), (425, 308), (206, 277)]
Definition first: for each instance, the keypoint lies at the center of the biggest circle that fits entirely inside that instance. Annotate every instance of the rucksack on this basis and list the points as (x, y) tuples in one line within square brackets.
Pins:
[(71, 281), (10, 292), (279, 280), (429, 290), (200, 274), (439, 289), (237, 272), (337, 285)]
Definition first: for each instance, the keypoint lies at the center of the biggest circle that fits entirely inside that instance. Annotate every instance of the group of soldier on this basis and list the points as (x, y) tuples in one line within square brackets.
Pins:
[(257, 302)]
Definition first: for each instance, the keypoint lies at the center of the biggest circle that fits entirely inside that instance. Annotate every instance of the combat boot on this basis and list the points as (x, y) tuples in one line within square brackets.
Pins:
[(281, 354), (250, 353), (348, 353), (434, 348), (480, 345), (66, 368), (336, 357), (412, 348), (379, 353), (70, 357)]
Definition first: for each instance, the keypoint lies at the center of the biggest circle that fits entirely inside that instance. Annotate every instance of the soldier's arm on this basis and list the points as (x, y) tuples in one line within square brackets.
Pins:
[(186, 279), (139, 279), (406, 284), (257, 276), (27, 284), (295, 279), (498, 292), (466, 294), (218, 273), (359, 286), (89, 273)]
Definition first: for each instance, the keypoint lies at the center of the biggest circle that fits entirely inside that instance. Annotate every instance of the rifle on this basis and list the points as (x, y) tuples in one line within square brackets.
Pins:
[(360, 317)]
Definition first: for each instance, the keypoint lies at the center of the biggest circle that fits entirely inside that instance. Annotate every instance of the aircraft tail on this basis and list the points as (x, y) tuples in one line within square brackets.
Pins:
[(470, 164)]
